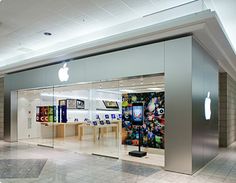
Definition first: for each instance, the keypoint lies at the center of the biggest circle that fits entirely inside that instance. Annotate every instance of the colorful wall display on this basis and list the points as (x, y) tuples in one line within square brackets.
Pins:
[(46, 113), (153, 128)]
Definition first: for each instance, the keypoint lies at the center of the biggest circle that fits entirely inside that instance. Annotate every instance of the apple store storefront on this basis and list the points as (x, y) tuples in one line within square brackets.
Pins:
[(154, 103)]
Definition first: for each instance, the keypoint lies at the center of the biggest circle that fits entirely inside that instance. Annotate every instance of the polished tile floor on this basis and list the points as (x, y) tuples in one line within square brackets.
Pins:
[(32, 163), (21, 168), (106, 146)]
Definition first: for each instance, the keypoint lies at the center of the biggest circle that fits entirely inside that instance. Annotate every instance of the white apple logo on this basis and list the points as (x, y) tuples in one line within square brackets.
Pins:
[(63, 73), (208, 106)]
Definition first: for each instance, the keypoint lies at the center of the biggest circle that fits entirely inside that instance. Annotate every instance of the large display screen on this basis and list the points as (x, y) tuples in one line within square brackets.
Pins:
[(137, 113), (113, 116), (80, 104), (71, 103), (111, 104)]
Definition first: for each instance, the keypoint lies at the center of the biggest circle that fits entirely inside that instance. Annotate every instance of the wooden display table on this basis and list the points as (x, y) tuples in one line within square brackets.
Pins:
[(99, 127), (118, 122), (61, 129)]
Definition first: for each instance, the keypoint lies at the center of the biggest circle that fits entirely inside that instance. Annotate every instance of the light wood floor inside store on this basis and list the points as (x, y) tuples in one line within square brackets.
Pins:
[(106, 146)]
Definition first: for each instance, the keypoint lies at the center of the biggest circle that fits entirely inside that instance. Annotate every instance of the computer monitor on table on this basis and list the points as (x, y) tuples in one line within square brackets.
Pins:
[(113, 116)]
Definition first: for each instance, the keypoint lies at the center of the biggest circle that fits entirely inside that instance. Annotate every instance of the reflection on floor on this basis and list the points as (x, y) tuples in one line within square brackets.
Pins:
[(64, 166), (106, 146)]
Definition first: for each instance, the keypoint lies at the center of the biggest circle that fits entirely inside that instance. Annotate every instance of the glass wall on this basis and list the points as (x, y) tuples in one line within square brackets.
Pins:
[(95, 118)]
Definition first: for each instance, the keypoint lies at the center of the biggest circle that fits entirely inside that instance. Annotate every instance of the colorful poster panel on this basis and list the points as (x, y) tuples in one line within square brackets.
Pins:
[(153, 128), (46, 114)]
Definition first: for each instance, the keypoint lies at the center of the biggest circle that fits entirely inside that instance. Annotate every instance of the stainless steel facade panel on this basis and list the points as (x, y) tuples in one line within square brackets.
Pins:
[(142, 60), (190, 73), (178, 104), (205, 132)]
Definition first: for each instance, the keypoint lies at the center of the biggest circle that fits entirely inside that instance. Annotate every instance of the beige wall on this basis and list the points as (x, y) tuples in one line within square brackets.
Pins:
[(1, 108), (227, 118)]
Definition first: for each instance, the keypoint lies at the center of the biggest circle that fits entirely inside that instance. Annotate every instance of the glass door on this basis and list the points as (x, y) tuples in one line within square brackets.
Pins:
[(35, 116), (46, 117), (73, 104), (106, 118), (88, 118)]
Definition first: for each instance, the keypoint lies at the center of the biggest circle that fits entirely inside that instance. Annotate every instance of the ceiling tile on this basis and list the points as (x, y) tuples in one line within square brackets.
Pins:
[(141, 7), (56, 5), (23, 13), (69, 11), (103, 2), (118, 8), (89, 8), (5, 29), (22, 22), (165, 4)]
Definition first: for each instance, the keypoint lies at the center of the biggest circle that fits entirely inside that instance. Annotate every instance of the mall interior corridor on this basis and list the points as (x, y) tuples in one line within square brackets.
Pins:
[(25, 163), (117, 91)]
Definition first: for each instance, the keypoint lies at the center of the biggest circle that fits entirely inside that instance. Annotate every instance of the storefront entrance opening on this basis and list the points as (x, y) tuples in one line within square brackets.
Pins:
[(96, 118)]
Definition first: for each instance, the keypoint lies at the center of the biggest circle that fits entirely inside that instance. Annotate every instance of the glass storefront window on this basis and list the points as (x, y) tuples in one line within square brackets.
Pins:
[(95, 118)]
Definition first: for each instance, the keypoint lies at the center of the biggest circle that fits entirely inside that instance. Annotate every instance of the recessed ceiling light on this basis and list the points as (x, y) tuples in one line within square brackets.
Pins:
[(47, 33)]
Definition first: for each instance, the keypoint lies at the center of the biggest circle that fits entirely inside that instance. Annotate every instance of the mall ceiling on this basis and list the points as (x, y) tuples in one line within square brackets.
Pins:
[(32, 28)]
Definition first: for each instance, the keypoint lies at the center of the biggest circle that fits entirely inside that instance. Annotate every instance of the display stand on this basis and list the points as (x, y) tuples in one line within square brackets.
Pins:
[(138, 120), (138, 153)]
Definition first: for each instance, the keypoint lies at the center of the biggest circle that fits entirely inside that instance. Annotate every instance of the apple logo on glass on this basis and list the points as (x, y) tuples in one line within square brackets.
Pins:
[(208, 106), (63, 73)]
